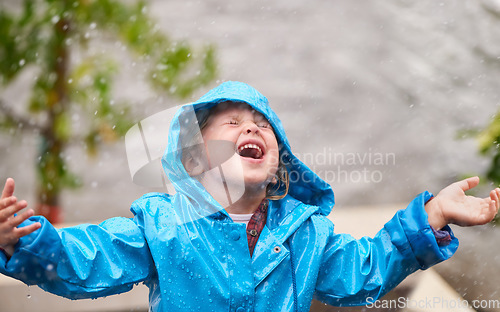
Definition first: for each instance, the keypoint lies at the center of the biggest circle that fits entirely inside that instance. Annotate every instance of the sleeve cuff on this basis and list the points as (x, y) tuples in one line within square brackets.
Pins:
[(443, 236), (420, 237)]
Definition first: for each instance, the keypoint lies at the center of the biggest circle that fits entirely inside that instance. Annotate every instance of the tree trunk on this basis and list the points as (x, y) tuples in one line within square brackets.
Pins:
[(51, 166)]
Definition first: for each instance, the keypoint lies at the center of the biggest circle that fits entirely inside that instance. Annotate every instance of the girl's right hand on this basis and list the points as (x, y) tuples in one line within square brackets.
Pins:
[(9, 222)]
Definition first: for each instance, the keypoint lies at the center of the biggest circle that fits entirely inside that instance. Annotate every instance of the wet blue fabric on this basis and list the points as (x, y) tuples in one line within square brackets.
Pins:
[(193, 257)]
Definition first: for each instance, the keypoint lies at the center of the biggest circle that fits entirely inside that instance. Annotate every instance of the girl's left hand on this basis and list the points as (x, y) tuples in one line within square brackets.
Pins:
[(451, 205)]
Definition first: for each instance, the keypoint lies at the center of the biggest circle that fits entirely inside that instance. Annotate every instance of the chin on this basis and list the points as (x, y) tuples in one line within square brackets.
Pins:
[(256, 183)]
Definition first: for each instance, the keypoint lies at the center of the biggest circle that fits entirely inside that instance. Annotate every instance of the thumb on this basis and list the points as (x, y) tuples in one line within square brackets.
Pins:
[(468, 183)]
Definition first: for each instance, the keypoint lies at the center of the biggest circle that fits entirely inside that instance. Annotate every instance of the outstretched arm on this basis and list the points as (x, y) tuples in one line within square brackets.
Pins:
[(452, 206), (83, 261), (9, 221)]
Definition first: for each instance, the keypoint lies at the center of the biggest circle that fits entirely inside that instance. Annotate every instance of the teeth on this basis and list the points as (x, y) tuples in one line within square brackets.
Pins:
[(250, 146)]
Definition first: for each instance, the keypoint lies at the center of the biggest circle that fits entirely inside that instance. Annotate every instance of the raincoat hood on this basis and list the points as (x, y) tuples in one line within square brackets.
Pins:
[(305, 185)]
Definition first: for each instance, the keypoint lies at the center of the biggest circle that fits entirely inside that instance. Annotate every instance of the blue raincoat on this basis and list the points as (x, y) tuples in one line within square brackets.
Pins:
[(193, 257)]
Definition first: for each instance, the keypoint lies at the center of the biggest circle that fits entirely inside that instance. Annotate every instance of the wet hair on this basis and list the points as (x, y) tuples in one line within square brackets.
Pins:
[(274, 191)]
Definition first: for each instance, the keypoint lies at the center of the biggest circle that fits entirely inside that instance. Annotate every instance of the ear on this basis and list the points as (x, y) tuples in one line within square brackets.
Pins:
[(192, 164)]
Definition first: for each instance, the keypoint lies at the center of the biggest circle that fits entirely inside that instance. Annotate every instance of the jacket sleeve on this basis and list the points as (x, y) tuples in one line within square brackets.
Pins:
[(357, 272), (85, 261)]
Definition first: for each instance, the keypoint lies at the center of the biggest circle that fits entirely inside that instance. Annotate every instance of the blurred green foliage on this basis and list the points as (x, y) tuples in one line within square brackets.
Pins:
[(489, 145), (45, 34)]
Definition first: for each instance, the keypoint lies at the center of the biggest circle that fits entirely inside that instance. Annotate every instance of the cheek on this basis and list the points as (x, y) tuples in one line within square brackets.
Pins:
[(274, 158), (220, 134), (207, 134)]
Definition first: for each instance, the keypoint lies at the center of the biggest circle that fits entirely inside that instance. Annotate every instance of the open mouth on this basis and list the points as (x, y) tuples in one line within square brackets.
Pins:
[(250, 151)]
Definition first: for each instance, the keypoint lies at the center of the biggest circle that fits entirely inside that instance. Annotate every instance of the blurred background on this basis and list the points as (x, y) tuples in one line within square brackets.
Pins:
[(383, 99)]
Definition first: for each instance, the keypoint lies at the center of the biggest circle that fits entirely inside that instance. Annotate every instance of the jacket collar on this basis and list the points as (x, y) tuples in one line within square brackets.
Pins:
[(284, 217)]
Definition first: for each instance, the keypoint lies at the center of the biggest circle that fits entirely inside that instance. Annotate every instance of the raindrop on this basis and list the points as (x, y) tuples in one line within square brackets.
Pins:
[(92, 25), (22, 62), (55, 19)]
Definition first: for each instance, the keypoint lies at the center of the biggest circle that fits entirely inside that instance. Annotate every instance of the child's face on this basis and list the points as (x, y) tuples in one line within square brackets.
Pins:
[(253, 138)]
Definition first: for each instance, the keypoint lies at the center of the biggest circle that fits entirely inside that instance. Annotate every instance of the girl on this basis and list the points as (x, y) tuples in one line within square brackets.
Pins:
[(245, 231)]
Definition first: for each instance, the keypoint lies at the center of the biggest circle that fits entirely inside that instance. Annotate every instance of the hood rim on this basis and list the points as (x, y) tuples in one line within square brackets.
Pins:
[(316, 193)]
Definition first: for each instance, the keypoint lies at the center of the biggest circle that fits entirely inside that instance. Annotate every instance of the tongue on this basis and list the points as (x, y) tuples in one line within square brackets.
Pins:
[(250, 153)]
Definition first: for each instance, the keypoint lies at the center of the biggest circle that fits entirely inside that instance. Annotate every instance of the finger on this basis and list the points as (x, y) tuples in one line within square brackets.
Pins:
[(17, 220), (12, 209), (494, 198), (8, 189), (25, 230), (494, 195), (498, 196), (6, 202), (468, 183), (492, 210)]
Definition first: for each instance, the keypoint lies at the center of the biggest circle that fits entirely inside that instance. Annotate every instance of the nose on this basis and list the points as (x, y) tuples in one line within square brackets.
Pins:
[(250, 127)]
